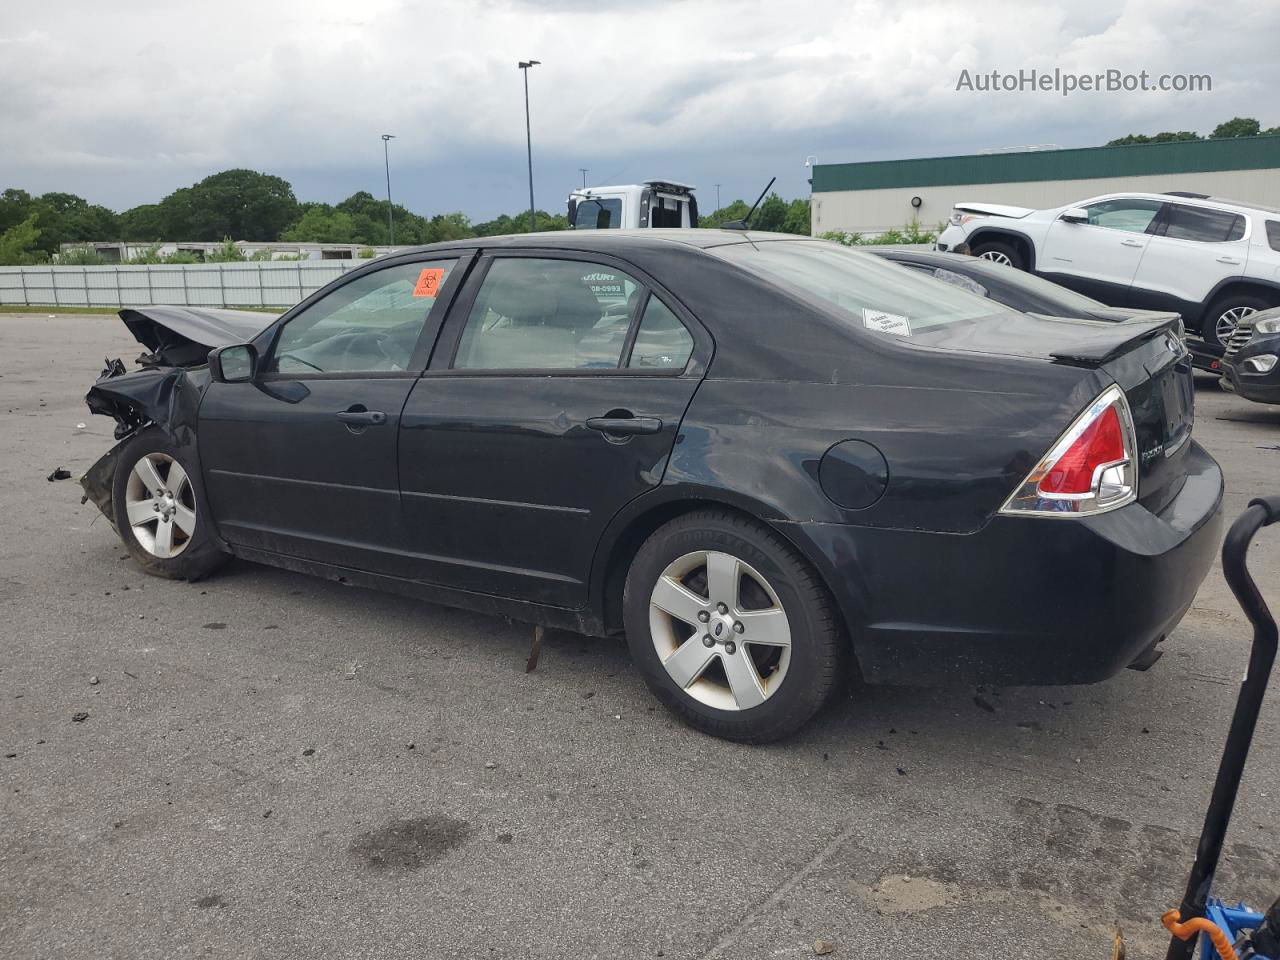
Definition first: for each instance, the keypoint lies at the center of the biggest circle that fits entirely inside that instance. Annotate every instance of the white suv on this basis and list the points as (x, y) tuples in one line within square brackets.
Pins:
[(1214, 261)]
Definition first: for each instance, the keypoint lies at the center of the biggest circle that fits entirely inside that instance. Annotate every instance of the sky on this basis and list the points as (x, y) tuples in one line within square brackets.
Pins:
[(125, 102)]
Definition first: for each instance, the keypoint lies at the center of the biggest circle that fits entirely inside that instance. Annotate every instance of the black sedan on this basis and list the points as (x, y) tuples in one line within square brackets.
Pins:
[(1251, 363), (760, 457)]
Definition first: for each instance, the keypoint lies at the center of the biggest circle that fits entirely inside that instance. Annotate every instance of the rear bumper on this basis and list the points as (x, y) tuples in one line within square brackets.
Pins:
[(1024, 600)]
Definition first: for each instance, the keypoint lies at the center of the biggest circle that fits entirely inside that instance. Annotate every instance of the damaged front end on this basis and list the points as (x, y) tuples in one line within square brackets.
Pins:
[(167, 390)]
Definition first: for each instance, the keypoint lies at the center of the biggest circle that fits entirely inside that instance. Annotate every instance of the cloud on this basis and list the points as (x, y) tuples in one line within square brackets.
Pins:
[(125, 102)]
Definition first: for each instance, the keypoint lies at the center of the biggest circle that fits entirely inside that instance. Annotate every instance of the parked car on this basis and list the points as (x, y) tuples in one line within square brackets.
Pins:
[(1013, 288), (1251, 363), (1031, 294), (1213, 261), (778, 455)]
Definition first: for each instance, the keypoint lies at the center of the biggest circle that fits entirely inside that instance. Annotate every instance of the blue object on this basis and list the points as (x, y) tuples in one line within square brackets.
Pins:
[(1233, 921)]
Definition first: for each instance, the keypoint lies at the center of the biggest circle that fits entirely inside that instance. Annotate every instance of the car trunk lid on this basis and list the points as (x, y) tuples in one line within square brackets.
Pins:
[(1145, 356)]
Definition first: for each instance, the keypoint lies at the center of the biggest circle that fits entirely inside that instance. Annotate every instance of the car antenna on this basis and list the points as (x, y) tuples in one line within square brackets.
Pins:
[(745, 222)]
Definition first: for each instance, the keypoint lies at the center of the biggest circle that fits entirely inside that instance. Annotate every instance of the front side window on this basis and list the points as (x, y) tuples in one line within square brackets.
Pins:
[(662, 342), (370, 325), (598, 214), (1131, 216), (1203, 225), (873, 293), (1273, 234), (542, 314)]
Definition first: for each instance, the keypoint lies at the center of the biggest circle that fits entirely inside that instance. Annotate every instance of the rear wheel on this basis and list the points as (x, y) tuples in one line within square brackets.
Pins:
[(156, 505), (999, 251), (1224, 315), (730, 627)]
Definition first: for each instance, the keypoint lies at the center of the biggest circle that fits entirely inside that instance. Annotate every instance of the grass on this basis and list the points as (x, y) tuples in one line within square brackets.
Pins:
[(49, 308)]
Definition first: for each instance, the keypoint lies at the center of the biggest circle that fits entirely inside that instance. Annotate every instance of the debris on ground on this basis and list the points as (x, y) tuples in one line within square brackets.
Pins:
[(821, 947), (984, 704), (491, 765), (93, 681), (902, 772), (505, 838), (60, 473), (80, 716), (308, 752)]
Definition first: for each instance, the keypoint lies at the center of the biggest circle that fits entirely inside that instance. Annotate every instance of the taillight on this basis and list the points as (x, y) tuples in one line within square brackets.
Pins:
[(1092, 468)]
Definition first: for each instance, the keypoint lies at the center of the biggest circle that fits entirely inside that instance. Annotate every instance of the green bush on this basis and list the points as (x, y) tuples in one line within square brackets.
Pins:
[(910, 233)]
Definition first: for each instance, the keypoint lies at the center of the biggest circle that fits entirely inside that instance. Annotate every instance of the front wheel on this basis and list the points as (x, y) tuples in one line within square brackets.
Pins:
[(997, 251), (731, 628), (157, 510)]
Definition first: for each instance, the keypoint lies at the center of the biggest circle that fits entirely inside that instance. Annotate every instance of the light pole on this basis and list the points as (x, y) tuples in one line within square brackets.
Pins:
[(386, 157), (717, 196), (810, 162), (528, 139), (583, 171)]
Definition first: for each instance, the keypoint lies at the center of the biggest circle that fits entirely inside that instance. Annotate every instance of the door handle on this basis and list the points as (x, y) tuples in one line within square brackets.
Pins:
[(362, 418), (1131, 243), (1232, 260), (625, 426)]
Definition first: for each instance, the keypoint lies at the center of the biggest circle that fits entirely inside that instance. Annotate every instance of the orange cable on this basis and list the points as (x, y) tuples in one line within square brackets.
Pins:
[(1172, 921)]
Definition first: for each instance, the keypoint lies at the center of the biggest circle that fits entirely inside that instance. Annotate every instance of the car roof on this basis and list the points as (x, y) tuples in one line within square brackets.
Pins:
[(1190, 200), (614, 241)]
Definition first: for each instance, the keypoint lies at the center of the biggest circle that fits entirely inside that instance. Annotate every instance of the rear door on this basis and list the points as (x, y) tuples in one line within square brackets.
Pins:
[(1100, 258), (302, 461), (553, 398), (1194, 249)]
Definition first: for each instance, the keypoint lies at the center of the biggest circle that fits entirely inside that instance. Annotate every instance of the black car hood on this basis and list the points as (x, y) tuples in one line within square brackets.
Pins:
[(183, 336), (1087, 343)]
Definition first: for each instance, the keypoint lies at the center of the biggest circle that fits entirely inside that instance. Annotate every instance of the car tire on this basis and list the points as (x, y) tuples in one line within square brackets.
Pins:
[(1223, 315), (776, 686), (159, 512), (999, 251)]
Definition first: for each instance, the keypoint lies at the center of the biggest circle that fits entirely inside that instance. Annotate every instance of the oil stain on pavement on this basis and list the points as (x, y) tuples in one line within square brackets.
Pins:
[(403, 845)]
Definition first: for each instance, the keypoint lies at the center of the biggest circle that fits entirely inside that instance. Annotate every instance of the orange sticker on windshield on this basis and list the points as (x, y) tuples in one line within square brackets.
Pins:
[(429, 281)]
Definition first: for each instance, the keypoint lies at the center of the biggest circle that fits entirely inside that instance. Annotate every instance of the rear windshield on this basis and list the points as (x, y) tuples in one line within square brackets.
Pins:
[(1038, 286), (873, 293)]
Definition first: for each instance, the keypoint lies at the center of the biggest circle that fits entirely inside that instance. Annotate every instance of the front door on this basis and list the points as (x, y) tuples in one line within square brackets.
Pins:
[(1100, 257), (302, 460), (554, 397)]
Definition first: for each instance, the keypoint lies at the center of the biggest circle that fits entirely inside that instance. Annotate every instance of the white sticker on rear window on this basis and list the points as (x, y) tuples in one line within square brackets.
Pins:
[(883, 322)]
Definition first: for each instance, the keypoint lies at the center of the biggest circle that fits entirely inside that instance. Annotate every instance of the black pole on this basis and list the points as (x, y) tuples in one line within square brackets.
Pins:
[(528, 141), (1261, 512), (386, 156)]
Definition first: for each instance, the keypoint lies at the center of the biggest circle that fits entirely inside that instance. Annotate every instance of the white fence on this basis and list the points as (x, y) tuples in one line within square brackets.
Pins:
[(249, 284)]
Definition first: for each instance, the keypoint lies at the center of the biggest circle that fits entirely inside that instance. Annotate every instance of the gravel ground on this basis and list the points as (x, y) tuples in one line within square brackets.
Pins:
[(277, 766)]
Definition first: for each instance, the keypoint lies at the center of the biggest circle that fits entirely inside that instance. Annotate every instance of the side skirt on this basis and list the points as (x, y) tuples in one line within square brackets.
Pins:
[(578, 621)]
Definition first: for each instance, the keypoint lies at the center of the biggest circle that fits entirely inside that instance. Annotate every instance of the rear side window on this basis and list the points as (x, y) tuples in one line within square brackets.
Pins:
[(1203, 225), (662, 342), (536, 314), (1273, 234)]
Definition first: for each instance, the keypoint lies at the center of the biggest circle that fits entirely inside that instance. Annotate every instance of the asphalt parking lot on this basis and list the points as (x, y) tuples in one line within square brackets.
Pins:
[(278, 766)]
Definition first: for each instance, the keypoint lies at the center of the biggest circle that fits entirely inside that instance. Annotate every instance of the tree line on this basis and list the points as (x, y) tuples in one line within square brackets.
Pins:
[(1227, 130), (257, 207)]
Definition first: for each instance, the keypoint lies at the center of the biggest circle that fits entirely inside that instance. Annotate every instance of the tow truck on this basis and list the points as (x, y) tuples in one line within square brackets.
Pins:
[(652, 203)]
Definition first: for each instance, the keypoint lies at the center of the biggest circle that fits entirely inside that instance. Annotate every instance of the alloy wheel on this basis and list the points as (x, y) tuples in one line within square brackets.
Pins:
[(161, 505), (996, 256), (720, 630), (1228, 320)]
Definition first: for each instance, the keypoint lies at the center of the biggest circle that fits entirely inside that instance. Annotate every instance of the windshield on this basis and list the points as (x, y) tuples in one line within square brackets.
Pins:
[(873, 293)]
